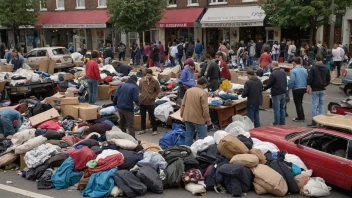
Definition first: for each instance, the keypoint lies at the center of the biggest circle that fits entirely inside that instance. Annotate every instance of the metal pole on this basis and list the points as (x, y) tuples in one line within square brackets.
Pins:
[(332, 25)]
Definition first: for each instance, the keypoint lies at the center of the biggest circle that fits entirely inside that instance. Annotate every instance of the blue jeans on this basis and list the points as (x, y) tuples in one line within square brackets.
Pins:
[(266, 69), (6, 126), (253, 114), (251, 61), (285, 56), (92, 90), (275, 57), (279, 106), (137, 59), (191, 128), (199, 57), (317, 103), (244, 62)]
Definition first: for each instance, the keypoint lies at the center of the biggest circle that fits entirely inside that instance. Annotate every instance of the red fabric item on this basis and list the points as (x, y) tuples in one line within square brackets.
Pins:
[(81, 156), (179, 18), (225, 73), (70, 140), (108, 79), (92, 70), (52, 125), (73, 17), (147, 50), (170, 85), (265, 59), (107, 163)]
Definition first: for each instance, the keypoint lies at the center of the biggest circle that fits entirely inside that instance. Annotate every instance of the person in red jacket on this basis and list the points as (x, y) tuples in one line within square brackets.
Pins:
[(265, 60), (93, 77), (224, 69)]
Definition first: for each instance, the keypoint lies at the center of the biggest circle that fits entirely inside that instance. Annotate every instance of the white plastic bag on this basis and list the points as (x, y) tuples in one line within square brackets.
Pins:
[(237, 128), (265, 146), (316, 187), (295, 160), (248, 124), (219, 135), (110, 68), (202, 144), (162, 111)]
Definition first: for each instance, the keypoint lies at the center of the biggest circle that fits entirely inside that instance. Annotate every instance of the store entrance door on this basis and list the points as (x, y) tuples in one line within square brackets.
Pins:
[(213, 40), (89, 39)]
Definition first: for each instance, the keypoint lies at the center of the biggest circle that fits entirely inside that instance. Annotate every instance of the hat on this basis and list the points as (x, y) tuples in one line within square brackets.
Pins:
[(134, 78), (189, 61)]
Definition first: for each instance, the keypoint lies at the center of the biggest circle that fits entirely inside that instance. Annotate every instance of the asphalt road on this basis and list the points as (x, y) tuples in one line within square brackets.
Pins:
[(21, 188)]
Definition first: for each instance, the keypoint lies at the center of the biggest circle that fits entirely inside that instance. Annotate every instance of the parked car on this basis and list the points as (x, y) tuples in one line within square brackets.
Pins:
[(346, 85), (60, 55), (327, 152)]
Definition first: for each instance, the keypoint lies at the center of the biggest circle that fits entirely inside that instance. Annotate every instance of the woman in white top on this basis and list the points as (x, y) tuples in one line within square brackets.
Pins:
[(337, 55), (240, 52), (275, 51)]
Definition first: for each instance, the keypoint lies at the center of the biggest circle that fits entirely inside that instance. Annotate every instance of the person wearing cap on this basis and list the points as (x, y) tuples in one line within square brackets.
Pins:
[(149, 89), (187, 79), (11, 118), (195, 111), (253, 89), (224, 69), (93, 77), (125, 97)]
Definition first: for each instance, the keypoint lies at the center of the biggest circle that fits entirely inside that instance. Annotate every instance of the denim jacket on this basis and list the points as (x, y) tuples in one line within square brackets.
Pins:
[(298, 78)]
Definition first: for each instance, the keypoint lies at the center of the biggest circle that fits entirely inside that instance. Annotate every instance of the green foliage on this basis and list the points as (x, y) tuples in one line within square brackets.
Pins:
[(135, 15), (16, 13)]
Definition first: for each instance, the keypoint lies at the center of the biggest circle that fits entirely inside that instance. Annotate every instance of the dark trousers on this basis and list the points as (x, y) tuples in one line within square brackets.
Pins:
[(150, 109), (145, 58), (180, 94), (122, 56), (298, 100), (338, 67), (127, 121), (253, 114), (180, 61), (213, 85)]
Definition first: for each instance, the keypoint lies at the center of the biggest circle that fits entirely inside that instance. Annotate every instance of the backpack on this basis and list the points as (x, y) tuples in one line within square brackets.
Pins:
[(174, 172), (173, 153), (175, 137), (38, 108), (151, 179)]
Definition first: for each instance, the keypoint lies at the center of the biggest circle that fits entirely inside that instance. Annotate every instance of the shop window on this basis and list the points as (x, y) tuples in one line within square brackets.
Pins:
[(172, 3), (43, 6), (218, 2), (81, 4), (193, 3), (60, 4), (101, 3)]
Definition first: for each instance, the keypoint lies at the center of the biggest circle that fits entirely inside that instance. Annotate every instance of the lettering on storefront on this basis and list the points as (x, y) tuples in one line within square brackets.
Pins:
[(174, 25), (75, 26), (233, 24)]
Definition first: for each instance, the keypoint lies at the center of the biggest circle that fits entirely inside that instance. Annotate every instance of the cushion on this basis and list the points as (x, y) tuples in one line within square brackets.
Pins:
[(116, 133), (259, 154), (230, 146), (196, 189), (23, 136), (7, 159), (247, 160), (124, 144), (30, 144)]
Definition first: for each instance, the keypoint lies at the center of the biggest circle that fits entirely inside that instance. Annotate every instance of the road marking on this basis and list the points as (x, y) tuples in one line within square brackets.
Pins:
[(22, 192)]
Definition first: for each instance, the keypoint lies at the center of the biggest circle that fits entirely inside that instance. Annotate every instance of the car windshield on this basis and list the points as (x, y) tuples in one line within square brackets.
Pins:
[(60, 51), (295, 134)]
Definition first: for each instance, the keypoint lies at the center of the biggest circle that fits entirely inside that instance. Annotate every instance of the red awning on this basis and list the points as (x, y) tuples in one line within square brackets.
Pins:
[(74, 19), (179, 18)]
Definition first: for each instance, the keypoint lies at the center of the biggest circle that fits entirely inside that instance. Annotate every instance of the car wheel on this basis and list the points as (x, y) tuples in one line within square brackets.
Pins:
[(348, 90)]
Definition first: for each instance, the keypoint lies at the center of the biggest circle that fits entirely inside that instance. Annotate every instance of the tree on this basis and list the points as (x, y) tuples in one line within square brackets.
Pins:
[(135, 15), (17, 13), (302, 13)]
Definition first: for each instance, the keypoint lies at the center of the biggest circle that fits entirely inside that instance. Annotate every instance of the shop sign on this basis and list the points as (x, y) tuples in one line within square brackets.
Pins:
[(233, 24), (75, 26), (174, 25)]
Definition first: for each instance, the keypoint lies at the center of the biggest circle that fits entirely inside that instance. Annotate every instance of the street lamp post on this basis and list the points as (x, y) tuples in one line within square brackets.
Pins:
[(332, 20)]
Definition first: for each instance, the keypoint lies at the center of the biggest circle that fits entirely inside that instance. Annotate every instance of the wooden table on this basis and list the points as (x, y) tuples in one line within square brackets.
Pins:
[(225, 113)]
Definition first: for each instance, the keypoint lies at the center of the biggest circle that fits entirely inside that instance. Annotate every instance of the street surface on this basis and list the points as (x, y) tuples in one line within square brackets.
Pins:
[(21, 188)]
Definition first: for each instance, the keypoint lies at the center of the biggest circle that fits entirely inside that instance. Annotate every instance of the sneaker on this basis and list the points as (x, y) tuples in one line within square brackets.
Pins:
[(141, 132), (298, 120), (155, 133)]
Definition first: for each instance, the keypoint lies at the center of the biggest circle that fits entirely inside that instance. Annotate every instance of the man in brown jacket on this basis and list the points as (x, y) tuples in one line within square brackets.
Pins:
[(195, 111), (149, 89)]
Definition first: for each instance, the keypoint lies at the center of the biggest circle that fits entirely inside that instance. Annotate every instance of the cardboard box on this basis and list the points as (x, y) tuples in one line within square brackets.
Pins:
[(23, 164), (71, 110), (44, 64), (266, 101), (234, 76), (196, 76), (56, 96), (51, 67), (42, 117), (242, 80), (103, 92), (69, 101), (69, 76), (6, 68), (2, 85), (137, 122), (88, 111)]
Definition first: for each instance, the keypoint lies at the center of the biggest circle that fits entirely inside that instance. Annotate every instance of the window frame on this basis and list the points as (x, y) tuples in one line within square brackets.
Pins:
[(100, 6), (190, 4), (80, 7), (40, 5), (46, 52), (249, 1), (172, 5), (36, 54), (216, 2), (57, 5)]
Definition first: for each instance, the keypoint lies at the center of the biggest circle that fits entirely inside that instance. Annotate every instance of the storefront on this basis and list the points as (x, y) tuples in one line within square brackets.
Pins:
[(347, 29), (179, 24), (233, 24), (77, 27)]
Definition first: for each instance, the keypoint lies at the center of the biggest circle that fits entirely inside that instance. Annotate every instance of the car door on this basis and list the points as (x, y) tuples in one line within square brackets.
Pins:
[(331, 168), (349, 167), (30, 59)]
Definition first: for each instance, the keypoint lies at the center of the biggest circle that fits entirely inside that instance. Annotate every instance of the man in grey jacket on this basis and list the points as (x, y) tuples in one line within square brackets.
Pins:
[(251, 55)]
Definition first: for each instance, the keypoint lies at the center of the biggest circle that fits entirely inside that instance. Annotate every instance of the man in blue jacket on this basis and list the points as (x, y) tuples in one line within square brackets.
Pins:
[(298, 84), (125, 95), (199, 50), (7, 116), (187, 79)]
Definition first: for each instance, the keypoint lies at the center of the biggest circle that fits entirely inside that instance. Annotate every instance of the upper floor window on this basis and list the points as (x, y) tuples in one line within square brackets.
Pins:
[(101, 3), (172, 3), (81, 4), (193, 3), (218, 2), (43, 6), (60, 4), (247, 1)]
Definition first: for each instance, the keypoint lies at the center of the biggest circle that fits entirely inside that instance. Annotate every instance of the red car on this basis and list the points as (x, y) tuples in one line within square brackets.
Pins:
[(327, 152)]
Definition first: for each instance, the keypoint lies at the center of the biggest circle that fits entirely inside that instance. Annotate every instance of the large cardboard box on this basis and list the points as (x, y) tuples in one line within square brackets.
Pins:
[(242, 80), (2, 85), (69, 101), (51, 67), (44, 64), (266, 101), (42, 117), (103, 92), (137, 122), (6, 68), (71, 110), (234, 76), (88, 111)]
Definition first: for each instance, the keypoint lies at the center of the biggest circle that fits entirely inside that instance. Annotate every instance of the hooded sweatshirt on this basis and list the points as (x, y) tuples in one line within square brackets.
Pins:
[(319, 77), (187, 77), (253, 90)]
